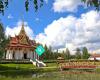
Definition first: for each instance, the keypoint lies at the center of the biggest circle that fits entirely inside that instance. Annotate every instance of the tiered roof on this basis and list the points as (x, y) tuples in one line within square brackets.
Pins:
[(95, 55), (21, 40)]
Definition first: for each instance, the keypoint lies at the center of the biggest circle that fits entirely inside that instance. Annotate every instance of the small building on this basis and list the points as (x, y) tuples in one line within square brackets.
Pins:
[(60, 58), (94, 57), (21, 47)]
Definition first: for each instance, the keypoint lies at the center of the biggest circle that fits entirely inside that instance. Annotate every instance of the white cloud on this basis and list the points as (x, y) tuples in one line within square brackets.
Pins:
[(66, 5), (55, 33), (12, 31), (46, 1), (73, 32), (10, 16)]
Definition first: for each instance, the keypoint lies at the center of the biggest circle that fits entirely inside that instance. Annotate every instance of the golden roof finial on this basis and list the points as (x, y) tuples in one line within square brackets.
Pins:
[(22, 31)]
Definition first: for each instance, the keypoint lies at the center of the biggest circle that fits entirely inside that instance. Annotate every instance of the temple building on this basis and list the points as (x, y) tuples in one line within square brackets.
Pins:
[(21, 47), (94, 57)]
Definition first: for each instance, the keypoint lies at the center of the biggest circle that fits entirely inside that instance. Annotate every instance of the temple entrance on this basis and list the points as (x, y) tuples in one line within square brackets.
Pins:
[(13, 56), (25, 56)]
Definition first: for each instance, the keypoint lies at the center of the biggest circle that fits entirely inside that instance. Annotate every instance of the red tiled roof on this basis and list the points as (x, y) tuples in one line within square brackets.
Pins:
[(17, 40), (14, 42), (95, 55)]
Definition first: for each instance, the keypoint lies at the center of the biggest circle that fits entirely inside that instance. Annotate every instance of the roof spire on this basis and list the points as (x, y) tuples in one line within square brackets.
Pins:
[(22, 31), (23, 38)]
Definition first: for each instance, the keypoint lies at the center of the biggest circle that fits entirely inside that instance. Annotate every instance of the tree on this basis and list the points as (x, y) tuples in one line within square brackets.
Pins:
[(3, 40), (36, 4), (48, 54), (78, 54), (93, 3), (44, 56), (62, 54), (39, 3), (68, 56), (85, 53), (56, 54)]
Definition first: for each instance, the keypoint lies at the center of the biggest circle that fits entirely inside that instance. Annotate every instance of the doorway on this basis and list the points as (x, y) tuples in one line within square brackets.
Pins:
[(25, 56), (13, 55)]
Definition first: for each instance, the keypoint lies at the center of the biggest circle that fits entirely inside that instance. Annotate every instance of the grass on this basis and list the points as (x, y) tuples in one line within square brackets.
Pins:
[(24, 66), (15, 66), (30, 72), (24, 69), (66, 75)]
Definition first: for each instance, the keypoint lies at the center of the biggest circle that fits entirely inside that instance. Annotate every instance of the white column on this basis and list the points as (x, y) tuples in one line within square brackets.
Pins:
[(30, 54), (21, 54), (7, 54), (34, 55), (11, 54), (17, 54)]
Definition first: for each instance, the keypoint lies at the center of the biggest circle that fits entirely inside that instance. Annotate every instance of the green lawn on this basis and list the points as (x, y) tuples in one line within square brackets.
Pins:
[(66, 75), (20, 69), (26, 66), (30, 72)]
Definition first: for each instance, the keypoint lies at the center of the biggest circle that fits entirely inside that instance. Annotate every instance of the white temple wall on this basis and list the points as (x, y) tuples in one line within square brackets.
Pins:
[(30, 55), (9, 54), (19, 54)]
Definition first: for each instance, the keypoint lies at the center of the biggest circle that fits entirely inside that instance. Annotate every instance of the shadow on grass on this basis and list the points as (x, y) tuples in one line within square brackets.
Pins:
[(14, 71), (23, 72)]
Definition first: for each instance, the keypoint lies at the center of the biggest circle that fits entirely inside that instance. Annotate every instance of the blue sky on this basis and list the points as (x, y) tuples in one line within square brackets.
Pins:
[(45, 15), (59, 23)]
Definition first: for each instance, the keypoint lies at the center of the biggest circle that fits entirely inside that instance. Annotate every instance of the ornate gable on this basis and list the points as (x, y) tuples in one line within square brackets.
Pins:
[(23, 38)]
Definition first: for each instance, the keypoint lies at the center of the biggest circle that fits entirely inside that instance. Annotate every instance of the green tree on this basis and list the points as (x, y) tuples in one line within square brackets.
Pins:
[(85, 54), (68, 56), (39, 3), (3, 40), (36, 4), (78, 53), (44, 56), (56, 54), (93, 3), (62, 54), (48, 53)]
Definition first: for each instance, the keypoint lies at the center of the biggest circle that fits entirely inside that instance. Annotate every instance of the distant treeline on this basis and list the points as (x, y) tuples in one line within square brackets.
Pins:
[(51, 55)]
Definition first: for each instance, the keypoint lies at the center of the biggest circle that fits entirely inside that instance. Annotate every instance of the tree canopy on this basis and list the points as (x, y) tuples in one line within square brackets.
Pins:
[(3, 40), (85, 53), (93, 3), (78, 53), (36, 4)]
